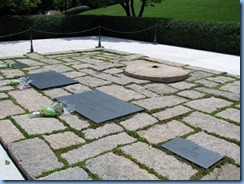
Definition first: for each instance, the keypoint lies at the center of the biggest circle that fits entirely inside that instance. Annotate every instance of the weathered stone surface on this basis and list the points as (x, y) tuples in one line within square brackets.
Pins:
[(77, 88), (54, 93), (105, 65), (125, 79), (232, 114), (160, 102), (12, 73), (192, 94), (73, 121), (171, 112), (160, 88), (58, 68), (138, 121), (207, 83), (97, 147), (62, 140), (90, 60), (9, 133), (35, 55), (50, 61), (229, 95), (208, 104), (34, 156), (74, 74), (225, 172), (162, 163), (113, 71), (8, 108), (6, 88), (182, 85), (92, 81), (155, 72), (162, 133), (214, 125), (3, 95), (30, 62), (102, 131), (75, 173), (142, 90), (38, 125), (120, 92), (217, 145), (198, 75), (232, 87), (220, 79), (113, 167), (31, 99)]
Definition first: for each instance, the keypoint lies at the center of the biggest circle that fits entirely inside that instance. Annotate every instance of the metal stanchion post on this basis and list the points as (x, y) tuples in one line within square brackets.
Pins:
[(155, 36), (31, 43), (99, 38)]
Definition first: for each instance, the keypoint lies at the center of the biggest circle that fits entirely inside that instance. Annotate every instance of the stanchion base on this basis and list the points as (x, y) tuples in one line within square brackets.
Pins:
[(99, 47)]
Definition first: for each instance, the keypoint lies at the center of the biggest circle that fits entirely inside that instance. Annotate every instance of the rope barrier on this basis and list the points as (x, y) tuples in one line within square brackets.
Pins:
[(129, 32), (14, 34), (46, 32)]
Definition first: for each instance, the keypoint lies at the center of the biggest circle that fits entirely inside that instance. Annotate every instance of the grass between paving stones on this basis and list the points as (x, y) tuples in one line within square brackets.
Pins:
[(119, 152), (92, 175)]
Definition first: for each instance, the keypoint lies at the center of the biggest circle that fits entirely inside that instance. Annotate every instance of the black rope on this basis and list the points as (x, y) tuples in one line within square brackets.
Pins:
[(14, 34), (129, 32), (46, 32)]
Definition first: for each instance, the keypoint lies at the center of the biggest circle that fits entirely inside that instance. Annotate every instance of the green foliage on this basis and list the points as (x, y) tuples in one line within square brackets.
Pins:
[(218, 37)]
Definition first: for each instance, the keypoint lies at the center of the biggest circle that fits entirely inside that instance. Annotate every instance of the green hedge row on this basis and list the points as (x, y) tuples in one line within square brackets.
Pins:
[(217, 37)]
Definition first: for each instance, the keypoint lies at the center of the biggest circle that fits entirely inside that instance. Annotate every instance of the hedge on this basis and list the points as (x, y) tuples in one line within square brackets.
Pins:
[(211, 36)]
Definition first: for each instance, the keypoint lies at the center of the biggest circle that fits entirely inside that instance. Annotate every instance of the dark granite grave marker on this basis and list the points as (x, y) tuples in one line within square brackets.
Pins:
[(49, 79), (98, 106), (19, 65), (192, 152)]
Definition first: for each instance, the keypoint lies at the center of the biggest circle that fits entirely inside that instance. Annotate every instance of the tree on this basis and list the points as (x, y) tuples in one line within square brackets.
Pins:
[(128, 6)]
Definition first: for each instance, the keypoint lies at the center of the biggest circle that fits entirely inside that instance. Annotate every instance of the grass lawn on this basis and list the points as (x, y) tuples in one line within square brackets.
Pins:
[(207, 10)]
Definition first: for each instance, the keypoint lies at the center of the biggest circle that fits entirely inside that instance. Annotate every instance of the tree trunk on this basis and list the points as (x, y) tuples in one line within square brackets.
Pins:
[(142, 8), (132, 8), (126, 8)]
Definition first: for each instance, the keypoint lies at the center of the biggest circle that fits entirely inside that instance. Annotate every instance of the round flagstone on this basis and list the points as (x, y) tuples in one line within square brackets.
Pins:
[(155, 72)]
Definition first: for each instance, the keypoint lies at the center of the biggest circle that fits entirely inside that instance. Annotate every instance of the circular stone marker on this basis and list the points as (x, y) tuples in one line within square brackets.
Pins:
[(155, 72)]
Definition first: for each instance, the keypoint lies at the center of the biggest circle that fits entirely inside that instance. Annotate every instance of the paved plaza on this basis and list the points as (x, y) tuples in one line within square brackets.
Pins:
[(203, 109)]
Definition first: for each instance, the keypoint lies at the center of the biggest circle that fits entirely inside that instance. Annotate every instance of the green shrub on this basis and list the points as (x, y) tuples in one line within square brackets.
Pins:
[(76, 10), (217, 37)]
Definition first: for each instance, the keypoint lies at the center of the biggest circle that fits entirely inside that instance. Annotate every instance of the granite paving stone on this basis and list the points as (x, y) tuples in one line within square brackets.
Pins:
[(225, 172), (229, 95), (142, 90), (74, 74), (139, 121), (160, 102), (213, 125), (73, 120), (206, 83), (124, 79), (232, 87), (50, 61), (35, 55), (3, 95), (163, 164), (113, 167), (6, 88), (79, 66), (97, 147), (220, 79), (157, 133), (34, 156), (90, 60), (198, 75), (171, 112), (75, 173), (9, 133), (57, 92), (12, 73), (77, 88), (182, 85), (92, 81), (38, 125), (192, 94), (218, 145), (30, 62), (120, 92), (62, 140), (31, 99), (208, 104), (58, 68), (231, 113), (113, 71), (8, 108), (160, 88), (102, 131)]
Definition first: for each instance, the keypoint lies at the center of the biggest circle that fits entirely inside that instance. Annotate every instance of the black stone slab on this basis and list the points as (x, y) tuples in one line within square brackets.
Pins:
[(98, 106), (192, 152), (49, 79), (19, 65)]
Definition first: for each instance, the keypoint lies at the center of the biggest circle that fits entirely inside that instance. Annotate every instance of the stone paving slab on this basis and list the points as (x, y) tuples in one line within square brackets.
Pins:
[(204, 109)]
